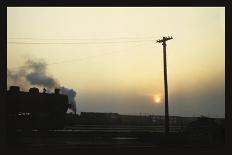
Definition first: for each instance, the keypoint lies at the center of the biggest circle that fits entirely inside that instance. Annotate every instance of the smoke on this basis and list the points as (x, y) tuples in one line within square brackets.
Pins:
[(17, 78), (38, 76), (71, 95), (34, 73)]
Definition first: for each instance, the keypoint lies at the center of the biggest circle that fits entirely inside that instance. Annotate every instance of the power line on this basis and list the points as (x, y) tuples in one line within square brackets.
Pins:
[(112, 38), (92, 56), (88, 57), (63, 43)]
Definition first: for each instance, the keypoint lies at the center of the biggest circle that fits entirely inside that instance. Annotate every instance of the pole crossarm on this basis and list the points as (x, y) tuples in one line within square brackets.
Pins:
[(164, 39)]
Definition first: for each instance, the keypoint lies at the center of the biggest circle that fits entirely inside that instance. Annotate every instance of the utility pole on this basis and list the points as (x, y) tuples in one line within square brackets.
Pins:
[(163, 41)]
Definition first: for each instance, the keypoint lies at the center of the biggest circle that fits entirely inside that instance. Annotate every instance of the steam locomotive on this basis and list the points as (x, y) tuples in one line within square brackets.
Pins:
[(34, 110)]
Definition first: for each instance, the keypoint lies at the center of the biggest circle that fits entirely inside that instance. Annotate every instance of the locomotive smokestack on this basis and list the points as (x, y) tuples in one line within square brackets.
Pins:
[(14, 89), (34, 90), (57, 91)]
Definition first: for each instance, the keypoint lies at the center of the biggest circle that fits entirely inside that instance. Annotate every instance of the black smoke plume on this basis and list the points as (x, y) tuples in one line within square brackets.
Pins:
[(38, 75), (35, 73)]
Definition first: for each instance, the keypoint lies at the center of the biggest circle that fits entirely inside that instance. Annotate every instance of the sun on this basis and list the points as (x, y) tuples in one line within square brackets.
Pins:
[(157, 99)]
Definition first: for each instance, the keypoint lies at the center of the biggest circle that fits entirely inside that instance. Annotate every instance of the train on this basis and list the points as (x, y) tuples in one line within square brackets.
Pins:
[(95, 118), (34, 110)]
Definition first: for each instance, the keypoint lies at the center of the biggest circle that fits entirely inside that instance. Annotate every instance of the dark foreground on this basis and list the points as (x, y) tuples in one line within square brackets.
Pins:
[(107, 138)]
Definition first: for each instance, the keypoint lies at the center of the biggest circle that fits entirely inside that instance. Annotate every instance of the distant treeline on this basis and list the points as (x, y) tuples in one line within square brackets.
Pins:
[(94, 118)]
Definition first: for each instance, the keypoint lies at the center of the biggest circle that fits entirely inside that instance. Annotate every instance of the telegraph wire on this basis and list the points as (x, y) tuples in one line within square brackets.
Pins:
[(112, 38), (89, 57), (63, 43), (92, 56)]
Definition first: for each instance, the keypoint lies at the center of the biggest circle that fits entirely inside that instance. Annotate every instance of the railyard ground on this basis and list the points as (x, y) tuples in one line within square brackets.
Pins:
[(101, 137)]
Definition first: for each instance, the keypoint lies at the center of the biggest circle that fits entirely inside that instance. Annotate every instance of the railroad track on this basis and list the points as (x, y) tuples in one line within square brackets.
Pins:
[(94, 136), (157, 128)]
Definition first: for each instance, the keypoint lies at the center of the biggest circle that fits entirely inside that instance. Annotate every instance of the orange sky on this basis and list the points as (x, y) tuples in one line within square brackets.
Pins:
[(112, 51)]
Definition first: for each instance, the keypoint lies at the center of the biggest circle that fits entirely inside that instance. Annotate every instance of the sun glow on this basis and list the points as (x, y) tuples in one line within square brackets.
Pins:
[(157, 99)]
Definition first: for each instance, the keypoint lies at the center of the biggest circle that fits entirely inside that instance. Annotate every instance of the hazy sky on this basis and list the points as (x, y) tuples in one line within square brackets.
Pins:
[(110, 57)]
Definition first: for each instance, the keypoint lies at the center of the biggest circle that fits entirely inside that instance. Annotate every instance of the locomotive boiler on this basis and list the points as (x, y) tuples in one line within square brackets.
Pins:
[(34, 110)]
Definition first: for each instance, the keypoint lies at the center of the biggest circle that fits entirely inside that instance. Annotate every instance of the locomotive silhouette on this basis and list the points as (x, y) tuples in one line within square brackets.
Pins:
[(34, 110)]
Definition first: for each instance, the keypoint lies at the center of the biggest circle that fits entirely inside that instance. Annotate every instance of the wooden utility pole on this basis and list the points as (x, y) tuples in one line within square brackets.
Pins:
[(163, 41)]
